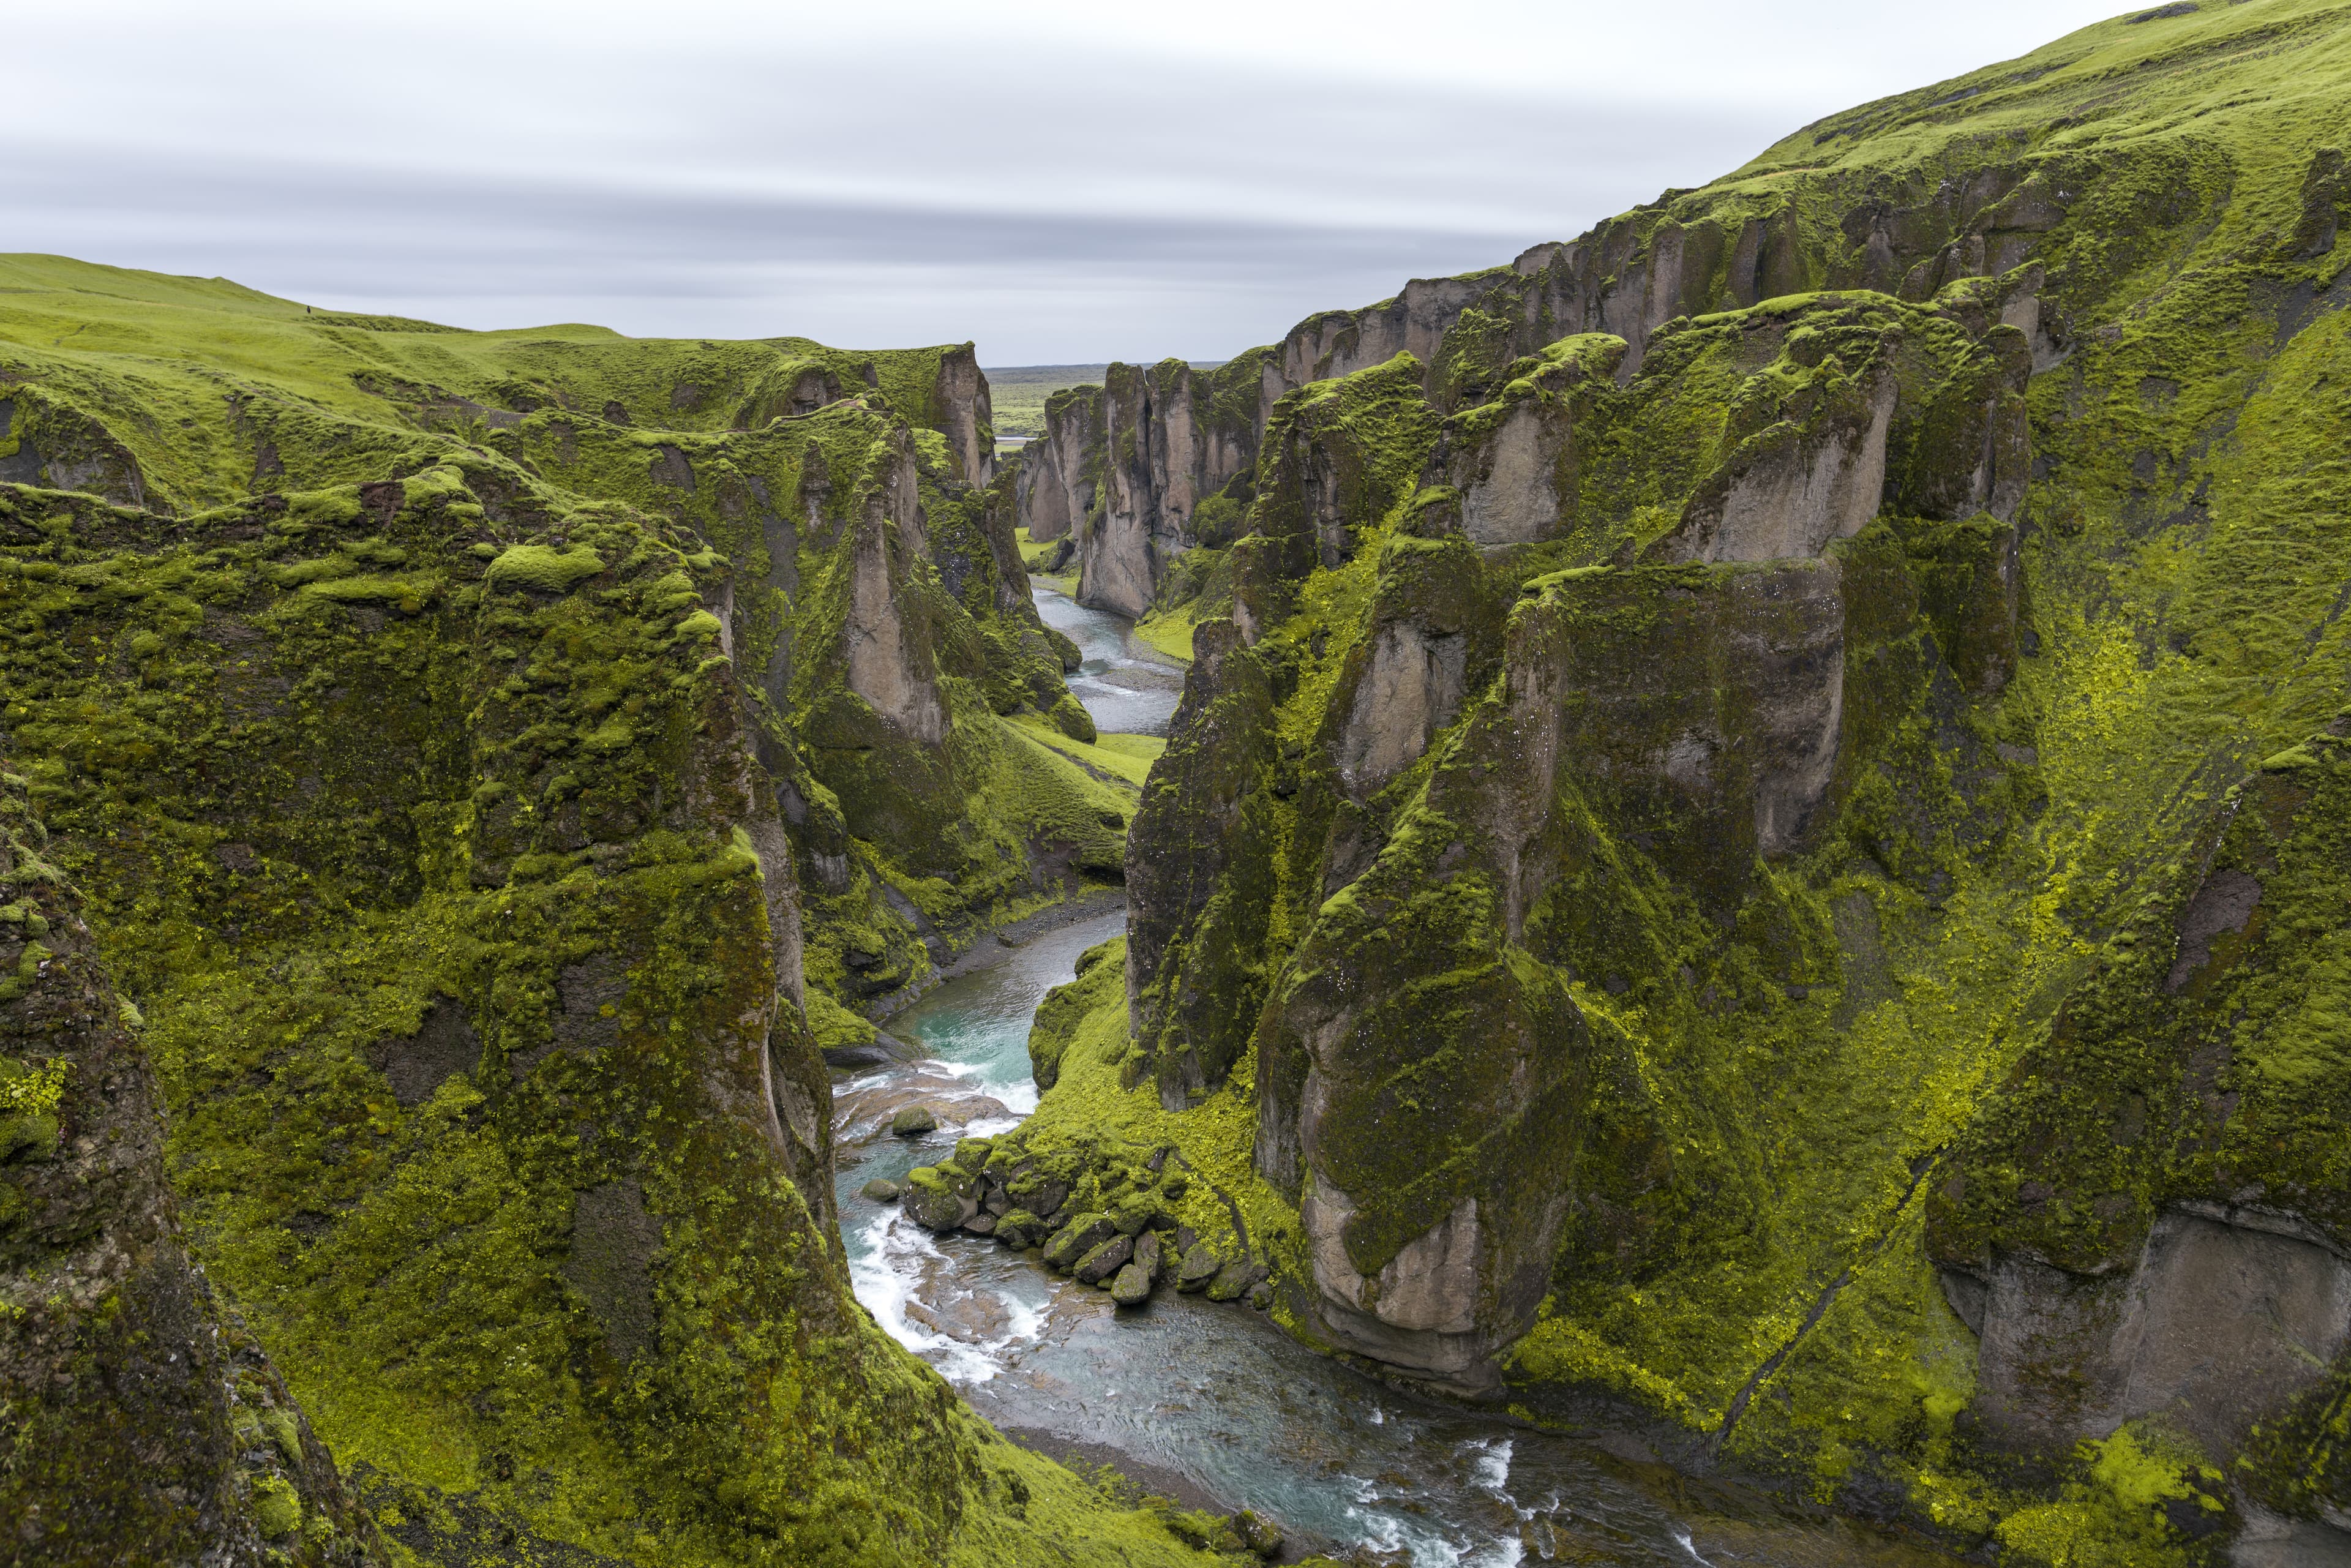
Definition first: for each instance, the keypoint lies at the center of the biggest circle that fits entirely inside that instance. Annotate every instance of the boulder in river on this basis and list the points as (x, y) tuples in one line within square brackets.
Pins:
[(1230, 1282), (1132, 1286), (1261, 1536), (1078, 1237), (933, 1201), (1103, 1261), (878, 1190), (914, 1121), (1200, 1265), (1041, 1195), (980, 1223), (1019, 1229), (1146, 1255)]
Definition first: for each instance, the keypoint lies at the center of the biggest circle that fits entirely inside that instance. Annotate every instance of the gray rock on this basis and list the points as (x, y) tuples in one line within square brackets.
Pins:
[(871, 1054), (981, 1224), (1043, 1198), (1146, 1254), (914, 1121), (932, 1203), (1261, 1536), (1230, 1281), (1078, 1237), (878, 1190), (1200, 1265), (1261, 1295), (2228, 1314), (1104, 1261), (1131, 1287)]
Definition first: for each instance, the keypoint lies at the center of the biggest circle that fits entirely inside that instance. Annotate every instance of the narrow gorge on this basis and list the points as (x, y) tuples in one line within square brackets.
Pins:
[(1683, 901)]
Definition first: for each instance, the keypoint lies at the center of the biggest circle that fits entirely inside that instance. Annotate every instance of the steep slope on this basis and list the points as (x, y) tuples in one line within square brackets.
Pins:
[(1653, 857), (145, 1423), (447, 810)]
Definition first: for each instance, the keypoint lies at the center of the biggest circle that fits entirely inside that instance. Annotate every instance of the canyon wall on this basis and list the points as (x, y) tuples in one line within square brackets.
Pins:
[(1126, 468), (1743, 847), (486, 774)]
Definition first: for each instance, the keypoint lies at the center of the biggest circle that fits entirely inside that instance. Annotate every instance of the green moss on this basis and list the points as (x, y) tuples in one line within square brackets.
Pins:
[(540, 569)]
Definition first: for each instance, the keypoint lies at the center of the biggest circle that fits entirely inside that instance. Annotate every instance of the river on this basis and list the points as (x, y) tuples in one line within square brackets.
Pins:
[(1127, 685), (1214, 1402)]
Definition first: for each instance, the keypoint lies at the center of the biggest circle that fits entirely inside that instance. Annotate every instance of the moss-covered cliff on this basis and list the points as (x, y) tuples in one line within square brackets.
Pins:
[(463, 744), (1722, 869)]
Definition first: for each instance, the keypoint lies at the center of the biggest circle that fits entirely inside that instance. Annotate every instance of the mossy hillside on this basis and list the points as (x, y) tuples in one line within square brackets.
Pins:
[(1337, 459), (209, 388), (2099, 154), (361, 936), (455, 931)]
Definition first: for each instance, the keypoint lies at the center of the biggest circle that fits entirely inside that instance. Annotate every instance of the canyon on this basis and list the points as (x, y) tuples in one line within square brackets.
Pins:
[(1749, 867)]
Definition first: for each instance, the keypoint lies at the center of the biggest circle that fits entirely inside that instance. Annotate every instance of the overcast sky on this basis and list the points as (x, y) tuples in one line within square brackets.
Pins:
[(1063, 181)]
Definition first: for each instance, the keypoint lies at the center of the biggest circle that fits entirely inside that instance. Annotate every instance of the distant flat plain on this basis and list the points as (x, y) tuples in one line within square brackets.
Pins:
[(1017, 392)]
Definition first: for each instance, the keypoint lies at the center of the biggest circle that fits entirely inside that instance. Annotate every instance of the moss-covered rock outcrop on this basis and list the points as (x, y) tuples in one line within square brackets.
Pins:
[(462, 813), (1702, 814), (145, 1423)]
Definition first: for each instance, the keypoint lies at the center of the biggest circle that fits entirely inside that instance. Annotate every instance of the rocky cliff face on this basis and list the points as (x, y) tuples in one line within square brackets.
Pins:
[(147, 1424), (1723, 856), (1149, 442), (488, 827)]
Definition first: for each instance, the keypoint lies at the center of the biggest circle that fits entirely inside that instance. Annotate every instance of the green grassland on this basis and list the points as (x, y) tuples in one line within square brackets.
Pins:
[(1016, 393)]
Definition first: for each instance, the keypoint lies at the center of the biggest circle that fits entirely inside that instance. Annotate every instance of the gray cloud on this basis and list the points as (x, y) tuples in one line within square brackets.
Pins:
[(751, 172)]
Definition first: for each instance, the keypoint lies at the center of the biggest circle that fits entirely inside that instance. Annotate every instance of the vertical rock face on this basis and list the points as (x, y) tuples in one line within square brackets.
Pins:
[(1411, 689), (1169, 438), (1628, 279), (1505, 768), (2144, 1224), (964, 416), (146, 1424), (1757, 926), (1198, 882), (888, 658), (1054, 491)]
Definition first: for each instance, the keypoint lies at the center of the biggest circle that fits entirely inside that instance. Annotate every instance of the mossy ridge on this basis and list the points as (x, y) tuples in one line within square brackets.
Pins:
[(519, 815)]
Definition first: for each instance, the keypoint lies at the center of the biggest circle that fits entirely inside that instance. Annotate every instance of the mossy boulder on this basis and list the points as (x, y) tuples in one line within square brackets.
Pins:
[(1200, 1265), (1132, 1285), (1102, 1260), (1078, 1237), (933, 1199)]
